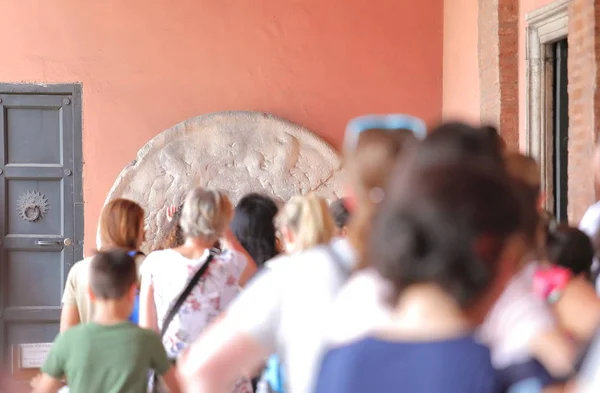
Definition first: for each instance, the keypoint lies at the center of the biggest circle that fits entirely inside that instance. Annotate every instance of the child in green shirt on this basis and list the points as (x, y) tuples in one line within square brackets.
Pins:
[(109, 354)]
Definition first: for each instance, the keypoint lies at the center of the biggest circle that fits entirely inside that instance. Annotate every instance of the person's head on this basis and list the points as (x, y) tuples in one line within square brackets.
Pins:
[(454, 226), (173, 236), (525, 173), (341, 215), (205, 216), (305, 222), (372, 146), (451, 143), (113, 277), (122, 225), (253, 226), (572, 249)]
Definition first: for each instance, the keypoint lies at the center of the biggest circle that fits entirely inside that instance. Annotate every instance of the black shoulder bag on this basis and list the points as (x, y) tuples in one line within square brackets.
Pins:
[(179, 302)]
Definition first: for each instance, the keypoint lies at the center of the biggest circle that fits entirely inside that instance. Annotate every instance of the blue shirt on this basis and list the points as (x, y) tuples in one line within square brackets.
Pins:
[(372, 365)]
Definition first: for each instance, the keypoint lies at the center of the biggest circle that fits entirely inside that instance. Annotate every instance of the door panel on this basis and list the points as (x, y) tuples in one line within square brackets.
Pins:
[(40, 158)]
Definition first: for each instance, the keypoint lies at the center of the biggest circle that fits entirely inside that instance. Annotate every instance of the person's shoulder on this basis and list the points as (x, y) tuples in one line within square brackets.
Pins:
[(79, 331), (590, 222), (81, 266), (155, 258), (147, 334), (160, 255), (337, 252), (228, 255)]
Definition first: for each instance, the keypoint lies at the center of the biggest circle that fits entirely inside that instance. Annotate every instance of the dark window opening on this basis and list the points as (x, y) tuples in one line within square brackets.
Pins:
[(560, 137)]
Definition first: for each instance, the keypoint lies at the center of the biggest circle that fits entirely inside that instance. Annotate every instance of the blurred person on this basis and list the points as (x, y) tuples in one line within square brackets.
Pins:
[(108, 354), (447, 240), (588, 380), (253, 226), (341, 216), (284, 309), (590, 222), (205, 218), (121, 226), (304, 222), (571, 249), (529, 348), (360, 305)]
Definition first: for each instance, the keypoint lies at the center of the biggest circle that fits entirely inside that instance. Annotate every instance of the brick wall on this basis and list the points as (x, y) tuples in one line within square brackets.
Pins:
[(498, 76), (499, 66), (584, 102)]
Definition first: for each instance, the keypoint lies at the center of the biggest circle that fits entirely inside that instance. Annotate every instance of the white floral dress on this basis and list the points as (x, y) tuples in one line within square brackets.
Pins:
[(169, 272)]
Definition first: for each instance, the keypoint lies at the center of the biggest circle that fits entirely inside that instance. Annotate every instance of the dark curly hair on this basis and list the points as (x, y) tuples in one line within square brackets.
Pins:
[(572, 249), (448, 225), (253, 226)]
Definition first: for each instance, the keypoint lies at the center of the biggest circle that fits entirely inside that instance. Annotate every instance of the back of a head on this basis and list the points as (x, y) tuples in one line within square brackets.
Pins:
[(308, 219), (368, 168), (206, 214), (340, 213), (446, 225), (570, 248), (452, 143), (524, 168), (253, 225), (121, 222), (112, 274), (525, 174)]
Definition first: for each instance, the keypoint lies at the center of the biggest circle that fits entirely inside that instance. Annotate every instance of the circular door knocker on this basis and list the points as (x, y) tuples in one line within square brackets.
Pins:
[(32, 206)]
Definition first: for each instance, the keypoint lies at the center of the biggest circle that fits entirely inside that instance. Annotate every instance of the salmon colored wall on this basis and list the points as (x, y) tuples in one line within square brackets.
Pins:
[(525, 6), (461, 93), (146, 65)]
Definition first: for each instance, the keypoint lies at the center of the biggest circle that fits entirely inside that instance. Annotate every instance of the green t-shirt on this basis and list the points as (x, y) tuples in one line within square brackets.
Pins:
[(106, 359)]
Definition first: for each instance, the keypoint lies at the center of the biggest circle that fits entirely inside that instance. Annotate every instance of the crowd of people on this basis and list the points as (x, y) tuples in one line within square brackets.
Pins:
[(439, 271)]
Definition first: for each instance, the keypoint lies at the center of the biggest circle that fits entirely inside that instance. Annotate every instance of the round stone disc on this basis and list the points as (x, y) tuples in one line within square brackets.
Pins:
[(239, 152)]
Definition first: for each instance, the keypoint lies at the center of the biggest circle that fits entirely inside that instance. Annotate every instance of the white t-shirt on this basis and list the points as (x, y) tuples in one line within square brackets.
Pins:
[(360, 307), (589, 378), (591, 220), (518, 316), (286, 307), (589, 225)]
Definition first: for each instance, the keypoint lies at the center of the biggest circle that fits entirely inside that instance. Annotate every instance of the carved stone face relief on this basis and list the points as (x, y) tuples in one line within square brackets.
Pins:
[(239, 152)]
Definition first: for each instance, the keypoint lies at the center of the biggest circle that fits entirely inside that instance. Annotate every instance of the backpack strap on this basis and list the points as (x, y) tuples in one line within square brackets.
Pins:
[(186, 292)]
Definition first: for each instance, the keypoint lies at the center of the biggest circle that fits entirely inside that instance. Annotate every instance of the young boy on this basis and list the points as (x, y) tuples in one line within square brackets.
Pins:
[(109, 354)]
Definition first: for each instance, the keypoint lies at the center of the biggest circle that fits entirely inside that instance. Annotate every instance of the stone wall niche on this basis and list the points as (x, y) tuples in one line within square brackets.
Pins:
[(239, 152)]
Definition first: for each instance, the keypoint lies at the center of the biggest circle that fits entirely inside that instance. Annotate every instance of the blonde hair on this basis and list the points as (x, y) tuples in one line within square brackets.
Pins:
[(308, 218), (206, 214)]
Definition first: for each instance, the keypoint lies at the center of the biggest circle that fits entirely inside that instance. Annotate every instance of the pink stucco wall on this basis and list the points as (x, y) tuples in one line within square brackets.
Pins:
[(146, 65), (461, 94)]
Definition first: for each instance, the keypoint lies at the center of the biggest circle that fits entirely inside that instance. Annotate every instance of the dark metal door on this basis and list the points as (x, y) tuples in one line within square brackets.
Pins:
[(561, 131), (42, 208)]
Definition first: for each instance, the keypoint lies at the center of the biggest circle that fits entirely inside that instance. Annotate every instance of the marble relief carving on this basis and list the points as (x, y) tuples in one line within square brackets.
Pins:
[(239, 152)]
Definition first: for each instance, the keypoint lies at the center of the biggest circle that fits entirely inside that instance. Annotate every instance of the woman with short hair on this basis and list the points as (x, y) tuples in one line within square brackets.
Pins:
[(205, 219)]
